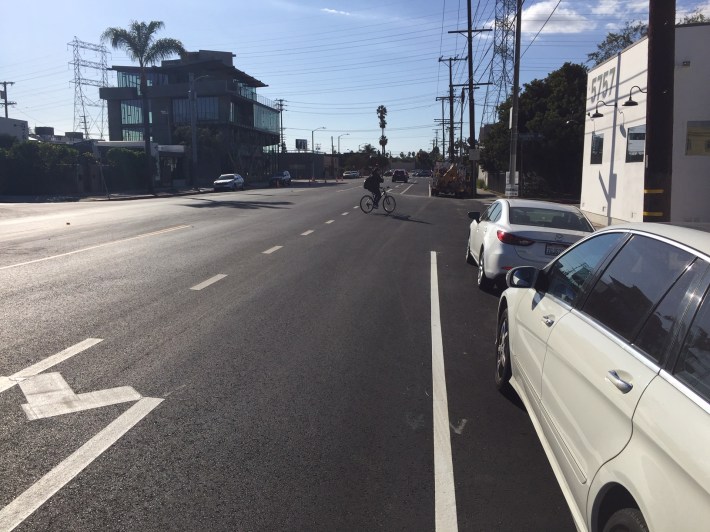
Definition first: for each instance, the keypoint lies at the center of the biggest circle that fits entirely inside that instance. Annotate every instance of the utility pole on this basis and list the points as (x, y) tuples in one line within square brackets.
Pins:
[(443, 126), (450, 60), (280, 108), (658, 171), (471, 99), (3, 95), (509, 189)]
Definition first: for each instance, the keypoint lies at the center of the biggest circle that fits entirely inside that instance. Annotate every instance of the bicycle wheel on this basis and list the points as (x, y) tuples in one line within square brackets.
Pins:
[(366, 203), (388, 203)]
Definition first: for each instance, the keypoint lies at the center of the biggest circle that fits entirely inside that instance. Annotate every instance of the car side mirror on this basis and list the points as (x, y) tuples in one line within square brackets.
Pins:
[(474, 215), (522, 277)]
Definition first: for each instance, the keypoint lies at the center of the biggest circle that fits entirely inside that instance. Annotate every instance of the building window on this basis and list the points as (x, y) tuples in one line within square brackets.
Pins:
[(635, 144), (131, 112), (132, 79), (597, 148), (698, 138), (132, 133), (267, 119), (207, 110), (181, 111)]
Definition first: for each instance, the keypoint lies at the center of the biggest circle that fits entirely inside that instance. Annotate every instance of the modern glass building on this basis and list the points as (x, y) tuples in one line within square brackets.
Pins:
[(237, 129)]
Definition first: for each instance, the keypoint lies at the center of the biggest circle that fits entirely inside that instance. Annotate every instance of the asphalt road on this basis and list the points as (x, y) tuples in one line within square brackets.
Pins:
[(261, 360)]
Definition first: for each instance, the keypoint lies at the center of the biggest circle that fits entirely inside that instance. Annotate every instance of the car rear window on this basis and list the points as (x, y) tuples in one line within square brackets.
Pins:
[(541, 217)]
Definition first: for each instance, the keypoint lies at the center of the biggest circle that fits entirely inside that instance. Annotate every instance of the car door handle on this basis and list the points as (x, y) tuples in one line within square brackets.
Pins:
[(548, 320), (621, 384)]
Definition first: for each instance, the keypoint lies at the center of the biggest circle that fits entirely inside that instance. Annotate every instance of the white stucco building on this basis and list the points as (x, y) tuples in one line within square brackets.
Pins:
[(614, 144)]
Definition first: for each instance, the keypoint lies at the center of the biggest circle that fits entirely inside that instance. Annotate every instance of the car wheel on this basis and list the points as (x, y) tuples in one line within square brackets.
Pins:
[(503, 371), (469, 257), (484, 283), (626, 520)]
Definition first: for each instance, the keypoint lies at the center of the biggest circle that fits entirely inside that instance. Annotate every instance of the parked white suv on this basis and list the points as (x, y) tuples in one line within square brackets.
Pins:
[(609, 349)]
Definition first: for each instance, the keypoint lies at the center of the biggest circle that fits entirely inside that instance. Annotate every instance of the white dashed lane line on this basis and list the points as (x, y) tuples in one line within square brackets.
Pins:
[(208, 282), (271, 250), (306, 233), (329, 221), (345, 214)]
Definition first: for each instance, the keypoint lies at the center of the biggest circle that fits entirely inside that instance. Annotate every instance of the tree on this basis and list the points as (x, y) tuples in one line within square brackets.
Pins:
[(616, 42), (139, 42), (381, 114), (694, 17), (551, 126)]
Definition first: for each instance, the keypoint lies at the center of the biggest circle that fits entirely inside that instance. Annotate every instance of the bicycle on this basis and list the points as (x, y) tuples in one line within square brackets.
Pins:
[(367, 202)]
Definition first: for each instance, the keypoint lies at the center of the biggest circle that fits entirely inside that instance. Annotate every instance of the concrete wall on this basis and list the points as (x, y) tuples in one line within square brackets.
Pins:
[(690, 200)]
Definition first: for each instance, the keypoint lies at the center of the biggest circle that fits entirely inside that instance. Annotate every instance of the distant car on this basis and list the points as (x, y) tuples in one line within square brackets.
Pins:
[(520, 232), (351, 174), (281, 179), (607, 347), (400, 175), (229, 182), (388, 173), (425, 173)]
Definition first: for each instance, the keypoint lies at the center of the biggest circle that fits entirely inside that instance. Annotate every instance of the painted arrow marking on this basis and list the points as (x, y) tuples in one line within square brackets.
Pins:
[(49, 395), (8, 382)]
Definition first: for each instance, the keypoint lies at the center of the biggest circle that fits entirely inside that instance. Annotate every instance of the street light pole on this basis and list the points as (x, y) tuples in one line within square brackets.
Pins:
[(313, 152), (339, 140), (193, 128), (192, 97)]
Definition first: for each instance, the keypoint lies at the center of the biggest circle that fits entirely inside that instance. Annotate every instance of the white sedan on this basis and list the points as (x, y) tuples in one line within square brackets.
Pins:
[(607, 347), (519, 232), (229, 182)]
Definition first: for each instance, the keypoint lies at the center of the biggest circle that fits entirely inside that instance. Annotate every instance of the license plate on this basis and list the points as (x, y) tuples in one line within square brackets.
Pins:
[(554, 249)]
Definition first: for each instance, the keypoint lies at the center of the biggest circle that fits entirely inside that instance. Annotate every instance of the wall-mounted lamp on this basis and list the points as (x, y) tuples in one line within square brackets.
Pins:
[(630, 102), (596, 113)]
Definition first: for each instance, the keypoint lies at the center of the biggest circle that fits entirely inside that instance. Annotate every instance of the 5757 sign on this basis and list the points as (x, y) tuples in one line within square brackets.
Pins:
[(602, 84)]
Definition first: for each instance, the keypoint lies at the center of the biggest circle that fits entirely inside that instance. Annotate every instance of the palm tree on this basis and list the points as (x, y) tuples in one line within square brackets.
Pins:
[(139, 42), (381, 114)]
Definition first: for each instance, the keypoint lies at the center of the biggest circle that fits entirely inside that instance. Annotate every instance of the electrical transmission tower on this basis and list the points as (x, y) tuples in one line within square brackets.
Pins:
[(97, 76), (503, 60)]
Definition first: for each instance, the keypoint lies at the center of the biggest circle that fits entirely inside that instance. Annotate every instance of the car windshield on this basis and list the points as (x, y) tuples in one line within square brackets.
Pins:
[(543, 217), (227, 176)]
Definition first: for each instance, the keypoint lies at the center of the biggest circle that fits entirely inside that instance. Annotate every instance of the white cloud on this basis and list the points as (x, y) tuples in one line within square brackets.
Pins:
[(617, 7), (563, 20), (336, 12)]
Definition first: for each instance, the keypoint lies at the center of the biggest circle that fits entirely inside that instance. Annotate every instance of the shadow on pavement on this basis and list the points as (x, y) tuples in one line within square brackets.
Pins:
[(201, 203), (402, 218)]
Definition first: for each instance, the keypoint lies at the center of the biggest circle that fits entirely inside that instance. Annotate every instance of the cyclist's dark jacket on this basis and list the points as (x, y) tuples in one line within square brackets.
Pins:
[(372, 183)]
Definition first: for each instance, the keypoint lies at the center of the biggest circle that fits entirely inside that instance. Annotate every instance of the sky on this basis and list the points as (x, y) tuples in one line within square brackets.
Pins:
[(333, 62)]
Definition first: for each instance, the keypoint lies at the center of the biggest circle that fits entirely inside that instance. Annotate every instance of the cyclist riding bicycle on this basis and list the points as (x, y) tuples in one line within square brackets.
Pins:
[(372, 183)]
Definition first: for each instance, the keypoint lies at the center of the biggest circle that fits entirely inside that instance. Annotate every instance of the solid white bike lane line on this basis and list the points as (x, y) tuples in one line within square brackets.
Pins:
[(41, 491), (444, 490)]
